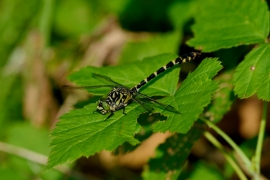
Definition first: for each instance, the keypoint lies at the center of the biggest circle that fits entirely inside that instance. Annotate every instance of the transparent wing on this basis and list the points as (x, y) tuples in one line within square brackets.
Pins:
[(86, 87), (143, 104), (107, 79), (164, 106)]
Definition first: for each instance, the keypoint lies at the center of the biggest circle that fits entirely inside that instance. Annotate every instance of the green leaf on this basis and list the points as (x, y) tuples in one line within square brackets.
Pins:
[(222, 98), (171, 156), (230, 23), (131, 74), (252, 75), (190, 99), (83, 133)]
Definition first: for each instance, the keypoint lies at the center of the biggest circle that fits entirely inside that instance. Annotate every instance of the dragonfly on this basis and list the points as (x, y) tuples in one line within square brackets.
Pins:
[(120, 96)]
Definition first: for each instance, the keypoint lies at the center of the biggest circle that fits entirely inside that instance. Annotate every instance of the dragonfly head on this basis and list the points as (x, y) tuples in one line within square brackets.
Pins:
[(103, 107)]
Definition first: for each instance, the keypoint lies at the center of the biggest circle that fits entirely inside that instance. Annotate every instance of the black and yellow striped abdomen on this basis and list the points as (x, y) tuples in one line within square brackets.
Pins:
[(179, 60), (120, 96)]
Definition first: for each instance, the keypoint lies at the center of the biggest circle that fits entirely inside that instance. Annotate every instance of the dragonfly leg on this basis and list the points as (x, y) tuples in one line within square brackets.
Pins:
[(109, 116), (124, 109)]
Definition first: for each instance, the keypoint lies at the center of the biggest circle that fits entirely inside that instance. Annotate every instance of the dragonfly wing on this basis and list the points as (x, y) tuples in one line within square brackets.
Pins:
[(143, 104), (86, 87), (164, 106), (107, 79)]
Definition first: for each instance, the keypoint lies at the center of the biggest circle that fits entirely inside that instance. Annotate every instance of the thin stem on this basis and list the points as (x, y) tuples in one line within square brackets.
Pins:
[(236, 148), (229, 159), (257, 158), (41, 159), (30, 155), (46, 20)]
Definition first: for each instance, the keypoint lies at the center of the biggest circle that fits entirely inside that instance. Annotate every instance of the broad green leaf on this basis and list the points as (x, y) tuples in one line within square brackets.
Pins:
[(83, 133), (230, 23), (191, 98), (171, 156), (222, 98), (252, 74), (131, 74)]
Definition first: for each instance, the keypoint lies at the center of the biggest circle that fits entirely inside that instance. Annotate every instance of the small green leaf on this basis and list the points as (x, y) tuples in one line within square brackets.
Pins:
[(252, 75), (131, 74), (171, 156), (83, 133), (190, 99), (230, 23)]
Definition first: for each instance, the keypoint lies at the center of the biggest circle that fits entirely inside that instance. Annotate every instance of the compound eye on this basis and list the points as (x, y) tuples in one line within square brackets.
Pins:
[(99, 105)]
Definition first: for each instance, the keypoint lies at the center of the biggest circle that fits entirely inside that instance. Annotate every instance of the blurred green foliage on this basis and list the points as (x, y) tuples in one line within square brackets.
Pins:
[(41, 42)]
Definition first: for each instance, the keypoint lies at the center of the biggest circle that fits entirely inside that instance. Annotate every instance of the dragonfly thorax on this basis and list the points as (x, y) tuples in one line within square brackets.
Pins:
[(118, 98)]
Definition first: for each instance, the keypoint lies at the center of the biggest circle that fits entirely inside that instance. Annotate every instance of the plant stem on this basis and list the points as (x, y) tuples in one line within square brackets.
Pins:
[(30, 155), (45, 20), (41, 159), (229, 159), (257, 158), (236, 148)]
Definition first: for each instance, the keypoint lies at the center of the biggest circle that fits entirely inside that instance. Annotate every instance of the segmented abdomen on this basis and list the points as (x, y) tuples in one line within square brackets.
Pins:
[(179, 60)]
